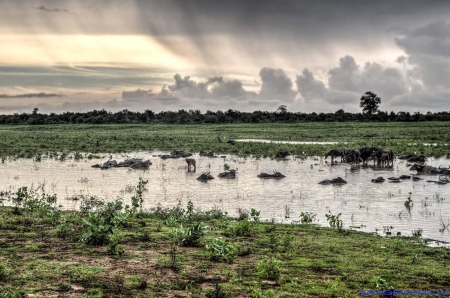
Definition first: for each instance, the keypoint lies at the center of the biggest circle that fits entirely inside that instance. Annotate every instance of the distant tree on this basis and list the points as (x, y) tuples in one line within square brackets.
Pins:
[(35, 111), (370, 103), (282, 109)]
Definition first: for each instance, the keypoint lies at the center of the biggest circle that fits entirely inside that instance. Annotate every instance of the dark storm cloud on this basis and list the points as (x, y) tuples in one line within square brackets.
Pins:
[(309, 87), (349, 81), (30, 95), (428, 50), (275, 84), (215, 87), (137, 94), (42, 7)]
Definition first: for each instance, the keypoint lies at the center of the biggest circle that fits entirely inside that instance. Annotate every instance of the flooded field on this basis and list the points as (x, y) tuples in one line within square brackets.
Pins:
[(364, 205)]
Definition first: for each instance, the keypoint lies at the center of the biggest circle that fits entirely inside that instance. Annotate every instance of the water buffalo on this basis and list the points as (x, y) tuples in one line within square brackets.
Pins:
[(378, 180), (205, 176), (232, 142), (444, 171), (406, 156), (417, 158), (276, 175), (180, 154), (141, 164), (366, 152), (337, 180), (191, 162), (440, 181), (106, 165), (425, 170), (230, 174), (376, 155), (282, 154), (335, 153), (129, 162), (353, 156), (207, 154)]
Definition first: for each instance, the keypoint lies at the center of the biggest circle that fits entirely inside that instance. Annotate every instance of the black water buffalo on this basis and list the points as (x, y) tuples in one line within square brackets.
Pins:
[(378, 180), (377, 156), (444, 171), (417, 158), (205, 176), (366, 152), (353, 156), (180, 154), (276, 175), (282, 154), (106, 165), (335, 153), (337, 180), (424, 170), (232, 142), (141, 164), (230, 174)]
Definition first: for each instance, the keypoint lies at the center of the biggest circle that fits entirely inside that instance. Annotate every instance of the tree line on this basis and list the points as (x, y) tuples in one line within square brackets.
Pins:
[(209, 117)]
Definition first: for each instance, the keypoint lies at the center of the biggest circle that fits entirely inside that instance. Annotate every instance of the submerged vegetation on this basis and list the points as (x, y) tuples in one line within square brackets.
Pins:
[(88, 141), (110, 248)]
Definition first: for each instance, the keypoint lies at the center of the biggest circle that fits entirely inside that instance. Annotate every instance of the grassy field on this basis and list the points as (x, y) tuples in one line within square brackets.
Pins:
[(48, 253), (403, 138)]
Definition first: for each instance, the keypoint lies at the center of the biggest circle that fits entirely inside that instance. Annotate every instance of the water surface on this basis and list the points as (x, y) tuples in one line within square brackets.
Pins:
[(362, 203)]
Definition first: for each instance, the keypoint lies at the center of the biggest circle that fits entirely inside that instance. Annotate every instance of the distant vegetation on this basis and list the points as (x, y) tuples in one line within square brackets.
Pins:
[(36, 141), (209, 117)]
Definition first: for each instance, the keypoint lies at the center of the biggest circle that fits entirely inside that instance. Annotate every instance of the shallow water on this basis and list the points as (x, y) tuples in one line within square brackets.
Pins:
[(286, 142), (362, 203)]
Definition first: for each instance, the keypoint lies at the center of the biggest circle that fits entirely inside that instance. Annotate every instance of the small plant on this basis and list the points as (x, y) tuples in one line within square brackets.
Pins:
[(77, 156), (63, 228), (5, 272), (221, 250), (334, 221), (217, 293), (269, 268), (113, 247), (409, 202), (226, 167), (255, 215), (137, 200), (11, 294), (240, 229), (188, 237), (417, 233), (190, 210), (258, 293), (243, 213), (307, 217)]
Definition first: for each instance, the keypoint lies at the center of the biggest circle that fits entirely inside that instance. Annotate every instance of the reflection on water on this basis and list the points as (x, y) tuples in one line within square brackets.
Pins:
[(287, 142), (362, 203)]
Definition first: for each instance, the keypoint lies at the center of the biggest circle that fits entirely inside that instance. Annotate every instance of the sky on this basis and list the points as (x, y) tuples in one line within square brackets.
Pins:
[(310, 55)]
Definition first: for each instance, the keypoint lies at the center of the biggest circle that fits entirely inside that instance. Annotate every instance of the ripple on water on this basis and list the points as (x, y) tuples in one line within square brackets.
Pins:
[(362, 203)]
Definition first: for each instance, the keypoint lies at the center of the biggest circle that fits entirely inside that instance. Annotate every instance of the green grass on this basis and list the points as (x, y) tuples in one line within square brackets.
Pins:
[(29, 141), (312, 261)]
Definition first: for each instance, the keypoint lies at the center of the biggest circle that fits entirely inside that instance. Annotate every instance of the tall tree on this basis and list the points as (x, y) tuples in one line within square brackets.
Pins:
[(370, 103)]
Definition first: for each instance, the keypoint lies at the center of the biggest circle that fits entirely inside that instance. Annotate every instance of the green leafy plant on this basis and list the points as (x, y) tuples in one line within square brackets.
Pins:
[(258, 293), (409, 203), (254, 214), (137, 200), (188, 237), (221, 250), (307, 217), (334, 221), (5, 271), (269, 268), (113, 247), (100, 225)]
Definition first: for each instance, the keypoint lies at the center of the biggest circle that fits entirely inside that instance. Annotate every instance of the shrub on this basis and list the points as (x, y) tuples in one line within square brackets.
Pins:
[(221, 250), (307, 217), (269, 268), (334, 221), (188, 237)]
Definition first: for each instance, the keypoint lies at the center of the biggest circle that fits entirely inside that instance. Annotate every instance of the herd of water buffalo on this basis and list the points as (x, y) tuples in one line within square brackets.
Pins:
[(380, 157)]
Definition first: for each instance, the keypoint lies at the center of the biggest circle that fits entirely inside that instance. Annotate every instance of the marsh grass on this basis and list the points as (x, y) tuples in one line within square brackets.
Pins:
[(316, 261), (57, 141)]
